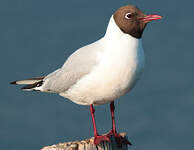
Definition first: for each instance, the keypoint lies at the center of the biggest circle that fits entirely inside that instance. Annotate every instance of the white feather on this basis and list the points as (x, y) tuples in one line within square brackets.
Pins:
[(121, 64)]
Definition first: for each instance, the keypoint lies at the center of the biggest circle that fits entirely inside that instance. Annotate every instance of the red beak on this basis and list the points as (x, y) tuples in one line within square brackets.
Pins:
[(149, 18)]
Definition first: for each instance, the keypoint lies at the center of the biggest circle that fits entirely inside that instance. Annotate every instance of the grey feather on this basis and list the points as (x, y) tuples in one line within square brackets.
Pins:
[(80, 63)]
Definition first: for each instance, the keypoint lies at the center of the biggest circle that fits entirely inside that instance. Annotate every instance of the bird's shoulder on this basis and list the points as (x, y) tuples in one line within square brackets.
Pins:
[(86, 55)]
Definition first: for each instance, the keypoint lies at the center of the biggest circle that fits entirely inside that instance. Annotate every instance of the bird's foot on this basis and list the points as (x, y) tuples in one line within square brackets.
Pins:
[(119, 139), (100, 138)]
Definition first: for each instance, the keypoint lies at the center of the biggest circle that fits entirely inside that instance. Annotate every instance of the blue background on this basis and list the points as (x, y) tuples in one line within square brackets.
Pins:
[(37, 36)]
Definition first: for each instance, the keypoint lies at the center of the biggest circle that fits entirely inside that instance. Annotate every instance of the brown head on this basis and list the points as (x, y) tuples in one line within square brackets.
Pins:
[(132, 20)]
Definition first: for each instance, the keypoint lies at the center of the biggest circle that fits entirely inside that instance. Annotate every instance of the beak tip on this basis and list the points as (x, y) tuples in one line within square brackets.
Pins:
[(149, 18)]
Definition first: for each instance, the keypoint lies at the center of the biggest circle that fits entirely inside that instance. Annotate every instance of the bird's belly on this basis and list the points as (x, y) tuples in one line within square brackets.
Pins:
[(107, 82)]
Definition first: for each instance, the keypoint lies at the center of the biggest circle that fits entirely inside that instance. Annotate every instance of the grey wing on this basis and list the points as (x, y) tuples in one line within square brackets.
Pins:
[(80, 63)]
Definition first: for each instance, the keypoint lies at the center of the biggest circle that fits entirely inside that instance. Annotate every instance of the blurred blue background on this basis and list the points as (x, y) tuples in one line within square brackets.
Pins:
[(37, 36)]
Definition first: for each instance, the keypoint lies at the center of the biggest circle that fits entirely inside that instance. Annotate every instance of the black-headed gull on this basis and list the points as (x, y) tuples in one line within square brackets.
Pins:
[(101, 72)]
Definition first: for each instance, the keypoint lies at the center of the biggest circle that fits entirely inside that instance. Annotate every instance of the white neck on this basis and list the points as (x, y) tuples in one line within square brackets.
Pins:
[(113, 30), (114, 35)]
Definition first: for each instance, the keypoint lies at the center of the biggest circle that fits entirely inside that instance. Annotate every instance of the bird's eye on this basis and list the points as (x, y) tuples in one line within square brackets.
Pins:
[(128, 15)]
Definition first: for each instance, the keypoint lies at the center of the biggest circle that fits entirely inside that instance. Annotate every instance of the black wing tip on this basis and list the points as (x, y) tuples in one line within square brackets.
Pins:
[(14, 82), (24, 88)]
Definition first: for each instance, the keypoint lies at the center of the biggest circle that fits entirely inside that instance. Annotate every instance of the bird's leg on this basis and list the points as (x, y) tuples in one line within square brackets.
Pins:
[(112, 110), (97, 138), (119, 139), (92, 111), (113, 131)]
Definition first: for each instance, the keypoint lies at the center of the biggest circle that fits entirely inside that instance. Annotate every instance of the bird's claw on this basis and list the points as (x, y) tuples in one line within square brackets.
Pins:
[(100, 138)]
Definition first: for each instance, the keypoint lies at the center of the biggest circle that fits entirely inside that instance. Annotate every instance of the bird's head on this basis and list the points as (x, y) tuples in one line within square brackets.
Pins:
[(132, 20)]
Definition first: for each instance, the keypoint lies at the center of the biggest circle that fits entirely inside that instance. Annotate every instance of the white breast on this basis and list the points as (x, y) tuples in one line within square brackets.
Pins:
[(120, 65)]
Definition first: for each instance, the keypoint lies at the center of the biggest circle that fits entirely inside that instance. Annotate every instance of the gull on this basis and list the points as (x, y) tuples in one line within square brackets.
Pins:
[(102, 71)]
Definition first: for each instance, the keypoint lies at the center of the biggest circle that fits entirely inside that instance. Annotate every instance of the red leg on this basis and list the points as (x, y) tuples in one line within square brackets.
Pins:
[(97, 138), (112, 109), (120, 140)]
